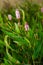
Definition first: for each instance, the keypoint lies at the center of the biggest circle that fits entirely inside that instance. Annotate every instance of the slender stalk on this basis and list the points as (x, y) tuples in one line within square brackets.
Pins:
[(33, 62)]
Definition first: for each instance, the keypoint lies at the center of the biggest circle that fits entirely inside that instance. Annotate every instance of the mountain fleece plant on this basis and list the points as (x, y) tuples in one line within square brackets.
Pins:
[(21, 35)]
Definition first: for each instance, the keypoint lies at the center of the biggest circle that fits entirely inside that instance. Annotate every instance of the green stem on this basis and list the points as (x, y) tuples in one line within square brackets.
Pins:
[(5, 40), (33, 62), (23, 15)]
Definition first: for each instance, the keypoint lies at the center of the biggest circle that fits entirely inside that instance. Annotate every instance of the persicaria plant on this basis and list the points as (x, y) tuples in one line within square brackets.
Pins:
[(21, 35)]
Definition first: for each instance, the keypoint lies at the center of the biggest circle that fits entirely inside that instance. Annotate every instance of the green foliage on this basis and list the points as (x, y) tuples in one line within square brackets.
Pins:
[(18, 46)]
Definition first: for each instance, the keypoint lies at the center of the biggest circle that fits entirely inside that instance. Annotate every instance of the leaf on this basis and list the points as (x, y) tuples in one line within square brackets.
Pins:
[(18, 39), (17, 28), (23, 15), (14, 60), (1, 42), (1, 20), (6, 62), (6, 43), (37, 49)]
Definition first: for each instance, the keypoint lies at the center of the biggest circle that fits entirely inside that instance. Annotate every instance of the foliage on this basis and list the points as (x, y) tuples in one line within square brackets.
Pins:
[(18, 46)]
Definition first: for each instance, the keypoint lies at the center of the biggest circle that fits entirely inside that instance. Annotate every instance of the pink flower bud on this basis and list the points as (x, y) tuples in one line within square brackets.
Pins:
[(9, 17), (42, 9), (17, 14), (26, 26)]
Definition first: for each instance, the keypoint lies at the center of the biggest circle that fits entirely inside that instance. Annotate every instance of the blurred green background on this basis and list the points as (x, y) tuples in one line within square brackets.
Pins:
[(14, 2)]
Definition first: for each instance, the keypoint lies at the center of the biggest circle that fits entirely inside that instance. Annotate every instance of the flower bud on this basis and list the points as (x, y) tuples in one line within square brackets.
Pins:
[(17, 14), (42, 9), (26, 26), (9, 17)]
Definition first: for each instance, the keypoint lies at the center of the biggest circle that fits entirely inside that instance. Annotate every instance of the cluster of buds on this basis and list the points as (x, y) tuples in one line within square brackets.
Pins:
[(26, 26), (17, 14), (9, 16)]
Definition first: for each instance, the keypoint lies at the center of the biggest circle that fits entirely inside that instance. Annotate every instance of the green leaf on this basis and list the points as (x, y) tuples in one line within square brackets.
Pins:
[(37, 49), (1, 19), (14, 60), (17, 38), (17, 28), (6, 43), (1, 42)]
